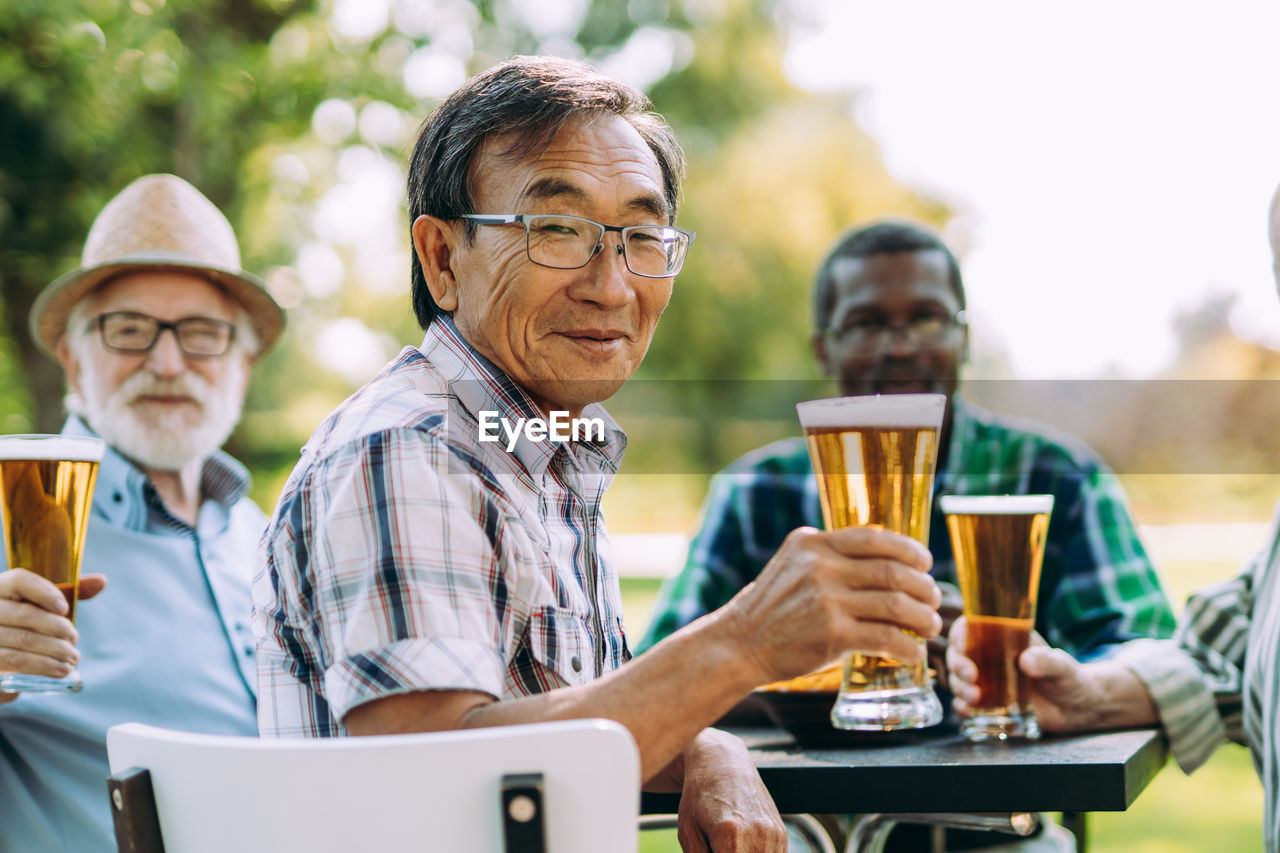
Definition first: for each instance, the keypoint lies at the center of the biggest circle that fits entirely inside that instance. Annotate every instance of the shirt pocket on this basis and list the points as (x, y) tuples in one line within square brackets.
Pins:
[(559, 641)]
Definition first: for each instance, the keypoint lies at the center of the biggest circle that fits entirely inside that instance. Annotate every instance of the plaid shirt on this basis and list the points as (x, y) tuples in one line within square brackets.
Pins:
[(1219, 678), (1097, 585), (405, 554)]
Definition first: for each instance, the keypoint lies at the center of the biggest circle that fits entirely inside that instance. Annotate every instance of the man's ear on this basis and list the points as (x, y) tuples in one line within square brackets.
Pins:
[(434, 240), (818, 342), (70, 364)]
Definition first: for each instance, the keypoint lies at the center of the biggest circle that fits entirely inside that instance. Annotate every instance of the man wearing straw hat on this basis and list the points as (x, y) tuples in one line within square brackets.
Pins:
[(155, 332)]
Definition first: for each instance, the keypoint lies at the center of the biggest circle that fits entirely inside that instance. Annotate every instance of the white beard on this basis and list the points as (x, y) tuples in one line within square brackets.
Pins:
[(164, 437)]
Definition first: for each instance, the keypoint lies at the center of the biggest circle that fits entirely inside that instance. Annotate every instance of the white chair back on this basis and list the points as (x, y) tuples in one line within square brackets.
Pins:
[(441, 791)]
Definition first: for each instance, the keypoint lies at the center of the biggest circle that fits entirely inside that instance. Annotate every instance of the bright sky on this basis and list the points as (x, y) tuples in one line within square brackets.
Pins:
[(1113, 161)]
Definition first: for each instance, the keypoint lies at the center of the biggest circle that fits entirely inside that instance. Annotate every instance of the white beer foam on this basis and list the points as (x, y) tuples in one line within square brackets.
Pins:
[(877, 410), (996, 504), (51, 447)]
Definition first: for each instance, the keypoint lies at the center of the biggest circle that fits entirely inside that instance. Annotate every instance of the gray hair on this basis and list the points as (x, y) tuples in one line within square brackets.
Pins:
[(532, 97)]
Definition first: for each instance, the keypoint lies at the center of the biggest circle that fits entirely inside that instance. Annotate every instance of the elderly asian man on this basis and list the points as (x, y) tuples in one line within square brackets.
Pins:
[(421, 577)]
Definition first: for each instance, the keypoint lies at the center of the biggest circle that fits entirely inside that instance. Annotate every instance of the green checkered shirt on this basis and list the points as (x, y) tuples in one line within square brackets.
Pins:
[(1097, 587)]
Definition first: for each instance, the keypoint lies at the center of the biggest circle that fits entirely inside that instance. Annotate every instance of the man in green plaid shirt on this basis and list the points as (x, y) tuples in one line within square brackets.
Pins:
[(889, 310)]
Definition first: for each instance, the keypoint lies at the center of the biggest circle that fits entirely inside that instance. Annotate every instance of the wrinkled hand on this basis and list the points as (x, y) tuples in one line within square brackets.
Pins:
[(827, 593), (1064, 693), (36, 637), (724, 807)]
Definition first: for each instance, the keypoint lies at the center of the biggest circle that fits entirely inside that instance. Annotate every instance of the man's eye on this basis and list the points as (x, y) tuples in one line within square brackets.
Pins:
[(128, 329), (202, 333), (928, 323), (556, 229), (863, 324), (646, 237)]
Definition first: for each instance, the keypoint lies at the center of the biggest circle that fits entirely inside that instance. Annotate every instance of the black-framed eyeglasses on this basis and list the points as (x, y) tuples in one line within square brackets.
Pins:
[(570, 242), (133, 333), (872, 334)]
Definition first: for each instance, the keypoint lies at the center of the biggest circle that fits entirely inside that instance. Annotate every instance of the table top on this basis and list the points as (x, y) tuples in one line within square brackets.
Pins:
[(937, 770)]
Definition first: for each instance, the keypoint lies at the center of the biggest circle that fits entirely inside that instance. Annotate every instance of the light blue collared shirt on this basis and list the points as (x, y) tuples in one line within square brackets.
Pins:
[(166, 643)]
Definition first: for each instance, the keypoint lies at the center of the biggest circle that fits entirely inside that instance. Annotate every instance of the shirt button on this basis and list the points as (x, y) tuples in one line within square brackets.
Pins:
[(576, 663)]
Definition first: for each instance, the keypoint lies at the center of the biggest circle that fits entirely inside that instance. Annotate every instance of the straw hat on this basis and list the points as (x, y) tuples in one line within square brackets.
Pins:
[(158, 222)]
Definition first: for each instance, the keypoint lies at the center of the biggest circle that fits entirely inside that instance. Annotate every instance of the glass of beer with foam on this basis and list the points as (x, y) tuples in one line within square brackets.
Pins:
[(874, 458), (46, 491), (998, 542)]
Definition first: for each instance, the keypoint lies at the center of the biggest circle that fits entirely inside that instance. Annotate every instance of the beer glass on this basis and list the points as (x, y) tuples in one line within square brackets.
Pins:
[(874, 458), (46, 491), (999, 546)]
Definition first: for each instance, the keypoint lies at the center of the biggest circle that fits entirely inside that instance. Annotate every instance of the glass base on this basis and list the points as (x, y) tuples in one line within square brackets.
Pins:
[(18, 682), (1000, 725), (887, 710)]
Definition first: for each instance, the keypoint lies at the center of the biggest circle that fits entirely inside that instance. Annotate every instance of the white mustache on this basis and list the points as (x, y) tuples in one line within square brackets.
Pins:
[(147, 384)]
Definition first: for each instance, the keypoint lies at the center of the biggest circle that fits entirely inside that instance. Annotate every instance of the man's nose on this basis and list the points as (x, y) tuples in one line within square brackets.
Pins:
[(901, 343), (165, 356), (608, 283)]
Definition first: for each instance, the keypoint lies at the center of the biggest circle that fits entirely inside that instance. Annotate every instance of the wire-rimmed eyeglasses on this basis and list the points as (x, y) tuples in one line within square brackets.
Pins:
[(133, 333), (570, 242), (872, 334)]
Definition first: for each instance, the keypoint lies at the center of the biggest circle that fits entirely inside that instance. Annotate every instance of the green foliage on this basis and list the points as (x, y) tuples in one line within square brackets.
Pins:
[(290, 122)]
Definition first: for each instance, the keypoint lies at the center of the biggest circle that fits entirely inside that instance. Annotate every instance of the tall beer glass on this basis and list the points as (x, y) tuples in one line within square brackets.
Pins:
[(999, 547), (874, 458), (46, 491)]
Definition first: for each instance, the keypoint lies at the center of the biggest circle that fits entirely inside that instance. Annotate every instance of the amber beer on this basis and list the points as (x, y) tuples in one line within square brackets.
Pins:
[(999, 547), (874, 458), (46, 491)]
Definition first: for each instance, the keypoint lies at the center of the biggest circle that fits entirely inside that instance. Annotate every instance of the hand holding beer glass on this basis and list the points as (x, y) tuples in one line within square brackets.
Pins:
[(874, 458), (999, 547), (46, 492)]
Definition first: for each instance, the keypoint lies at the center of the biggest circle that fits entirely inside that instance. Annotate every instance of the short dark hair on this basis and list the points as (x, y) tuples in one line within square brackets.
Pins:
[(532, 97), (878, 238)]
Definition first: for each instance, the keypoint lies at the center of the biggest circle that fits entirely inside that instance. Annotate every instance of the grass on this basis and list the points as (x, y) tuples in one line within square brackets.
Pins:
[(1218, 808)]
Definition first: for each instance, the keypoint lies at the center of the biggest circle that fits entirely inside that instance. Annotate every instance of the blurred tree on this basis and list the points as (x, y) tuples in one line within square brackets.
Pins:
[(96, 93), (296, 117), (775, 174)]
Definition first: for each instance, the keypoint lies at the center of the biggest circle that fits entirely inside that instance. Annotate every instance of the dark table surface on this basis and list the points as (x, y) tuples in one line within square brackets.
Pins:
[(936, 770)]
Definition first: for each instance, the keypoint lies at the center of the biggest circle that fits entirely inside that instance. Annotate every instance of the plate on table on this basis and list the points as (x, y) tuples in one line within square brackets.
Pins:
[(802, 708)]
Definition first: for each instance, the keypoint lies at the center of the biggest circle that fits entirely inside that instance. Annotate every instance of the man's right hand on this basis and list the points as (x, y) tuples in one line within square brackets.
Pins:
[(36, 637), (1067, 695), (827, 593)]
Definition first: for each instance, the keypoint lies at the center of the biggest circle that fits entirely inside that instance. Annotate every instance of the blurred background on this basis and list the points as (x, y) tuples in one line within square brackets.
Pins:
[(1102, 171)]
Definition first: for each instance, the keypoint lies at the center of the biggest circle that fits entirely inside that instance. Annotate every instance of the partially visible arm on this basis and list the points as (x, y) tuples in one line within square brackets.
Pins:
[(695, 672), (724, 804), (822, 594), (1067, 695), (1197, 687), (1191, 685)]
